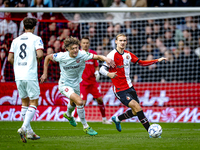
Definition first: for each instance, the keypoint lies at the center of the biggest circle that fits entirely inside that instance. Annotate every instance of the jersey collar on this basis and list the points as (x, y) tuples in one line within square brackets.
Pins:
[(119, 52)]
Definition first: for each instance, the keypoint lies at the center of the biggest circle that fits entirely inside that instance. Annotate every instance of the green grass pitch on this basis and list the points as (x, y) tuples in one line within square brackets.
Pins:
[(61, 135)]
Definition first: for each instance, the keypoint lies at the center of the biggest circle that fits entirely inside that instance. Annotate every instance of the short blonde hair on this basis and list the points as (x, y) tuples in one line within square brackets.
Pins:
[(120, 35), (70, 41)]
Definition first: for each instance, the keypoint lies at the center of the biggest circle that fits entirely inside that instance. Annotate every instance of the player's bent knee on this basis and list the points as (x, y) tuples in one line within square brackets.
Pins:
[(84, 102), (34, 102), (79, 104)]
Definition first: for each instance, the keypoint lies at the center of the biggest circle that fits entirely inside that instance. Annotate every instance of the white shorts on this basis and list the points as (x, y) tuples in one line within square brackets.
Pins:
[(67, 90), (28, 88)]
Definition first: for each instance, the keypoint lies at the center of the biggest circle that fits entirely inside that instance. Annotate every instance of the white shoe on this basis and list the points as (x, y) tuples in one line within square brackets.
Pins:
[(31, 135), (22, 134), (106, 122)]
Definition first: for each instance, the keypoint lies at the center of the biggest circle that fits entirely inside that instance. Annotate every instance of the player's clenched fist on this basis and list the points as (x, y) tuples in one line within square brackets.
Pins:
[(43, 78)]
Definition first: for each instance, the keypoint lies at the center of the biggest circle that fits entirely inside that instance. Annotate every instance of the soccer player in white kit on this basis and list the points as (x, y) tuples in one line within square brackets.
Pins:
[(24, 52), (72, 64)]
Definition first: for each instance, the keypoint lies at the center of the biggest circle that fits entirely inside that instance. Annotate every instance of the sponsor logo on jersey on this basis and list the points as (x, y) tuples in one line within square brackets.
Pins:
[(22, 63), (89, 62), (122, 66), (24, 38), (71, 67)]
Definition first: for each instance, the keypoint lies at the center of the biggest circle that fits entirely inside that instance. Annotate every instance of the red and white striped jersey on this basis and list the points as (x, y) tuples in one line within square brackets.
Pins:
[(122, 66)]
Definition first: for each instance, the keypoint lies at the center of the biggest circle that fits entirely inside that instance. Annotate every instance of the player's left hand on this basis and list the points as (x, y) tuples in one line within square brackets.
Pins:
[(43, 78), (161, 59), (110, 62)]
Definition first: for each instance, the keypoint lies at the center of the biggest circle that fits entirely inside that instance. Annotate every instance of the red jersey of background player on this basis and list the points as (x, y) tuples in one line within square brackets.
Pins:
[(88, 73), (122, 66)]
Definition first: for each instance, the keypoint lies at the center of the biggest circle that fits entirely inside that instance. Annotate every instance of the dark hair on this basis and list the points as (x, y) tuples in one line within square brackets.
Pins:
[(29, 23), (70, 41), (86, 38)]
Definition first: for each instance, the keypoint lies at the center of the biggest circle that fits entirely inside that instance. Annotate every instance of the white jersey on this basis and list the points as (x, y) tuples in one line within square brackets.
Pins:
[(24, 48), (71, 68)]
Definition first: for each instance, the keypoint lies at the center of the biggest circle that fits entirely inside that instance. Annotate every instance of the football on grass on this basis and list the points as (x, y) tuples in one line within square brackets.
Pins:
[(155, 130)]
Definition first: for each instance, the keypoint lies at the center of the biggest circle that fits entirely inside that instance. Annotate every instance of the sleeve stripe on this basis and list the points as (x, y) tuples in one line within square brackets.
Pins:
[(105, 66), (39, 49), (11, 52), (137, 61)]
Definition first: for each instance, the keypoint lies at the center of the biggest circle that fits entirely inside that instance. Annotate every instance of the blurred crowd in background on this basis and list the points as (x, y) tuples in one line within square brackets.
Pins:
[(177, 38), (99, 3)]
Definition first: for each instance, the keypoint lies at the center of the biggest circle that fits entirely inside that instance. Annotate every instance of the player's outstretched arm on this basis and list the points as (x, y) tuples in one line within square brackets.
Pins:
[(150, 62), (45, 69), (109, 61), (161, 59)]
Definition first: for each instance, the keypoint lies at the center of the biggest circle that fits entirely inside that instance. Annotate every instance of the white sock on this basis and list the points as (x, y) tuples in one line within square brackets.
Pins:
[(104, 118), (29, 115), (81, 114), (23, 115), (117, 119), (70, 109)]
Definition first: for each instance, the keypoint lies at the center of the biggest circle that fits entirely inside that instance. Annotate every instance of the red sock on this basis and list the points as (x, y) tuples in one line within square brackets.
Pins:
[(75, 113), (102, 109)]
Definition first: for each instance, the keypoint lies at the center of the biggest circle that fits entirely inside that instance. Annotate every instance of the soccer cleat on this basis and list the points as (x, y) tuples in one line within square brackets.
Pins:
[(31, 135), (70, 119), (22, 134), (106, 122), (118, 126), (90, 131), (152, 137)]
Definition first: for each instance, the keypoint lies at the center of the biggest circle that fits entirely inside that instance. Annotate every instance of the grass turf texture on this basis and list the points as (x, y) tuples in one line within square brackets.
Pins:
[(61, 135)]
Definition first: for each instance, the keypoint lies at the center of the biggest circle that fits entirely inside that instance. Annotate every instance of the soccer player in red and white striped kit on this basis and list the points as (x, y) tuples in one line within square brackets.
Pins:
[(120, 77), (90, 77)]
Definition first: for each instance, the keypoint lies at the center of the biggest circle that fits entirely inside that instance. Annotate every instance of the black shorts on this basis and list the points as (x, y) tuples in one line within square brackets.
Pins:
[(127, 95)]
